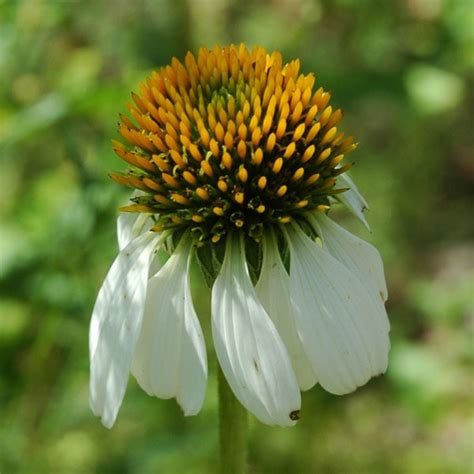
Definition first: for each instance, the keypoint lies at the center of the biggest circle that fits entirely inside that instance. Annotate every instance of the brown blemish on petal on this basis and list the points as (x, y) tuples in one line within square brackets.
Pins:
[(295, 415)]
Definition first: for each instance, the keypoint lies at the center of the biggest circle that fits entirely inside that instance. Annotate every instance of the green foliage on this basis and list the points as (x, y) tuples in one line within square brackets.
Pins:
[(403, 73)]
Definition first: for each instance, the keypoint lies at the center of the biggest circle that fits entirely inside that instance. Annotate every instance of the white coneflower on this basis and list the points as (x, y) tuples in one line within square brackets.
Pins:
[(237, 160)]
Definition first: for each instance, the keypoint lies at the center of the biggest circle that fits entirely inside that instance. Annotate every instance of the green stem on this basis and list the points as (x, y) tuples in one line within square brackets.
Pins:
[(232, 430)]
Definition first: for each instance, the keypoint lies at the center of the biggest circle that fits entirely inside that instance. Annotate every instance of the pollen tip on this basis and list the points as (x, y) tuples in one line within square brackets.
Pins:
[(162, 199), (222, 185), (207, 168), (218, 211), (298, 174), (239, 197), (243, 174), (281, 191), (197, 218), (203, 194), (135, 208), (180, 199), (277, 165)]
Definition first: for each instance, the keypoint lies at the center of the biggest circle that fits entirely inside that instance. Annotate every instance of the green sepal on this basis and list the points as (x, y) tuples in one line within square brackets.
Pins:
[(209, 258)]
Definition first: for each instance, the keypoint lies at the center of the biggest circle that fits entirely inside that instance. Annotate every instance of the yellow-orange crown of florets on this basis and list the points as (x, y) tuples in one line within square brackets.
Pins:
[(231, 139)]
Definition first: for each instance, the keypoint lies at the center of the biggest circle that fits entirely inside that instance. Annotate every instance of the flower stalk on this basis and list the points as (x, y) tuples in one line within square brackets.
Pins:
[(232, 430)]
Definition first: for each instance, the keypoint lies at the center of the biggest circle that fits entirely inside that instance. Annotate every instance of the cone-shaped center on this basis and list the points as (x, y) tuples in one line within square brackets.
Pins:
[(232, 139)]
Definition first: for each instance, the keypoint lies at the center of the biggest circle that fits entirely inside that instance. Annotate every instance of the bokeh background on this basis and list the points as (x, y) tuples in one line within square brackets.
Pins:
[(402, 71)]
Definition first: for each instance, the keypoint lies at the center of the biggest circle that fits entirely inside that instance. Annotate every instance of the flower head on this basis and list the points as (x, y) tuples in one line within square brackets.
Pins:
[(236, 160)]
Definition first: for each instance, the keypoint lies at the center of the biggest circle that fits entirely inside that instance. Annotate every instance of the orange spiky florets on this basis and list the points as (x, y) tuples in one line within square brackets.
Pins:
[(231, 139)]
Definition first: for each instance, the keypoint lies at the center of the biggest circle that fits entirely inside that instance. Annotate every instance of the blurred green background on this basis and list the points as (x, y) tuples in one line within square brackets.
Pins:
[(403, 73)]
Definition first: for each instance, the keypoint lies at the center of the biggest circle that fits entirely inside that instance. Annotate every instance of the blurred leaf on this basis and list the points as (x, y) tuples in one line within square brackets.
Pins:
[(434, 90)]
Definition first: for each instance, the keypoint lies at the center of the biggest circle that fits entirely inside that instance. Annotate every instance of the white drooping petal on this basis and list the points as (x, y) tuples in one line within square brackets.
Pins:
[(352, 198), (170, 358), (360, 257), (273, 291), (341, 325), (115, 326), (130, 225), (251, 353)]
